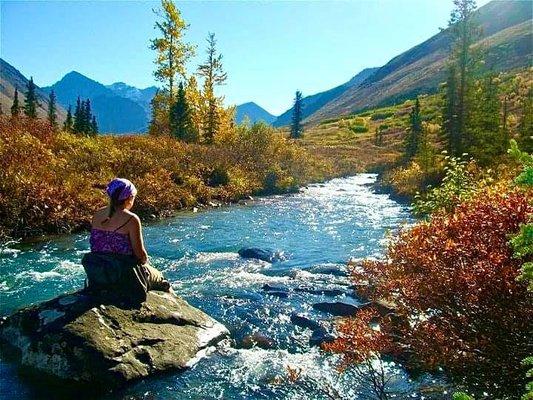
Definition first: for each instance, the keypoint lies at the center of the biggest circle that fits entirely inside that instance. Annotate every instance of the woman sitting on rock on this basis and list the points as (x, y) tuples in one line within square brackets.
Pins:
[(118, 256)]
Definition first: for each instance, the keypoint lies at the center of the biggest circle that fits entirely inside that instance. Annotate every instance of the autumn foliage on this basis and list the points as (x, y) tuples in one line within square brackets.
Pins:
[(457, 302), (52, 182)]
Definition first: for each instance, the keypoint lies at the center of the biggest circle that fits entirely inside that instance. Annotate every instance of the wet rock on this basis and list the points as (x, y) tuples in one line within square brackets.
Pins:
[(257, 339), (321, 335), (304, 322), (319, 291), (336, 308), (269, 288), (279, 294), (83, 340), (260, 254)]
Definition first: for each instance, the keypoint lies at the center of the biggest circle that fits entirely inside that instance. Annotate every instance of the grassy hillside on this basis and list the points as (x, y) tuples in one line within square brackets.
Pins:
[(506, 27), (349, 142)]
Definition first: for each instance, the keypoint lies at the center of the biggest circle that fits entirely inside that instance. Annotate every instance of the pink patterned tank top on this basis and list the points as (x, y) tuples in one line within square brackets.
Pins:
[(102, 241)]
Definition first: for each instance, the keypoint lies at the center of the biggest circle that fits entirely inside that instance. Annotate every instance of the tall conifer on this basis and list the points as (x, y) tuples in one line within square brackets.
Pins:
[(213, 73), (15, 108), (296, 125), (52, 110), (181, 126), (67, 125), (412, 139), (94, 126), (31, 103), (78, 117)]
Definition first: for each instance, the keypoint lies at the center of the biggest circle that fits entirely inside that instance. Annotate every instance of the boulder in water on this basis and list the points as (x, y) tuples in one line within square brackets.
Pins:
[(258, 339), (83, 340), (321, 335), (259, 254), (321, 291), (337, 308), (304, 321)]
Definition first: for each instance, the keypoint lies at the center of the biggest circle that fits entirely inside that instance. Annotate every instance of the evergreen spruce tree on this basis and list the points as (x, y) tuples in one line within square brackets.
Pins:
[(87, 118), (31, 103), (181, 126), (451, 131), (296, 124), (461, 77), (485, 137), (78, 117), (67, 125), (213, 73), (525, 126), (15, 108), (426, 154), (412, 139), (52, 110), (94, 126)]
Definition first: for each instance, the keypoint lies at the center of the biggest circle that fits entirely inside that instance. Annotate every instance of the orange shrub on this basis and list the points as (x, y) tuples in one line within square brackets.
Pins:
[(52, 182)]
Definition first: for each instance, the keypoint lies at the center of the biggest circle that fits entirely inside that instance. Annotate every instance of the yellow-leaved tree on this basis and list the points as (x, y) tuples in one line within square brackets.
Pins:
[(172, 53)]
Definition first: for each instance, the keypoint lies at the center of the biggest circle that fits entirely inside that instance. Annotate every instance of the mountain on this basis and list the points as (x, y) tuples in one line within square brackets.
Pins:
[(115, 113), (11, 78), (506, 33), (141, 96), (254, 113), (311, 104)]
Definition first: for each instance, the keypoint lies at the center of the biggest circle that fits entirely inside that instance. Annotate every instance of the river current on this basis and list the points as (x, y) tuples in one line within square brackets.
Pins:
[(314, 231)]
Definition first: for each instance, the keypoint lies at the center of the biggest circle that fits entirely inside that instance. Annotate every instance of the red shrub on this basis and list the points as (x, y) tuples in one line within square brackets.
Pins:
[(453, 281)]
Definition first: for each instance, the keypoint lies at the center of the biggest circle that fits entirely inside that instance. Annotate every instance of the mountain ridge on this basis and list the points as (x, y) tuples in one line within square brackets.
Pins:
[(421, 69), (11, 78), (115, 113), (314, 102)]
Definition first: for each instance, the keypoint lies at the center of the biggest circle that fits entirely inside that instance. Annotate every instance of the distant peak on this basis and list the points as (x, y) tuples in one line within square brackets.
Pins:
[(73, 74)]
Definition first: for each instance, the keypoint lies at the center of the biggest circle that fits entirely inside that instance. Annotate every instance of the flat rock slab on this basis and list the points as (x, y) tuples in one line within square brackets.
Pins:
[(337, 308), (80, 339)]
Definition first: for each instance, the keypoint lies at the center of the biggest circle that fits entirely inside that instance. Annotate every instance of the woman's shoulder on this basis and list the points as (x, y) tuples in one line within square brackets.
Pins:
[(132, 216)]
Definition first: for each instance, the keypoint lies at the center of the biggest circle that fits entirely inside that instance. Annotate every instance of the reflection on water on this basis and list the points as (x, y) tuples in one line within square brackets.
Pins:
[(321, 227)]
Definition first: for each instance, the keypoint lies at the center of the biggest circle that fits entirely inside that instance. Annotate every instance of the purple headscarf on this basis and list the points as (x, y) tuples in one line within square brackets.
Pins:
[(127, 189)]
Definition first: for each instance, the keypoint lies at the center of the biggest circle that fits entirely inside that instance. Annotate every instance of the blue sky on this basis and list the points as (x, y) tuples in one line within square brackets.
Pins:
[(270, 48)]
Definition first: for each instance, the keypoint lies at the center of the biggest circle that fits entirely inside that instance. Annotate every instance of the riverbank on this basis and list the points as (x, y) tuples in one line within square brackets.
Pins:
[(316, 230), (52, 182)]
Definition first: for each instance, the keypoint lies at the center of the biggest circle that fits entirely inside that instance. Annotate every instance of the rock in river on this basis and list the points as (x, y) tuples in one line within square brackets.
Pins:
[(260, 254), (83, 340), (337, 308)]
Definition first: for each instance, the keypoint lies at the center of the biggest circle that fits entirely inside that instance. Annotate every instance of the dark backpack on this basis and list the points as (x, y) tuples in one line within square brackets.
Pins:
[(119, 274)]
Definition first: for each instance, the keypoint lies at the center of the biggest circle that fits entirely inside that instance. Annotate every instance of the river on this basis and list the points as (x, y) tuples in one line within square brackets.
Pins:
[(321, 227)]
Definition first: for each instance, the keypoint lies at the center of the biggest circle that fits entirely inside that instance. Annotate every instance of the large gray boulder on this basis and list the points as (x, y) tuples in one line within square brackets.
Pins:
[(82, 339)]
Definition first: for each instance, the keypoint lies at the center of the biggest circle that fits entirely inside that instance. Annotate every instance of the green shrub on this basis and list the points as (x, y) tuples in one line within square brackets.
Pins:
[(457, 186), (378, 116), (359, 129)]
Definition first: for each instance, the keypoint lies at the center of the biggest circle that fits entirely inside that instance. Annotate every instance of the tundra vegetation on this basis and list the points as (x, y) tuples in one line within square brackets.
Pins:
[(457, 283)]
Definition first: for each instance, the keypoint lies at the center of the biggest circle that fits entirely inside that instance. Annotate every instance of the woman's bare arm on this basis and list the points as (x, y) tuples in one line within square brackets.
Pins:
[(136, 238)]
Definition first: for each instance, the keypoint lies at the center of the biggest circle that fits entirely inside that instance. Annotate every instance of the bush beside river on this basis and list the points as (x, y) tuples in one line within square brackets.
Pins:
[(52, 182)]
